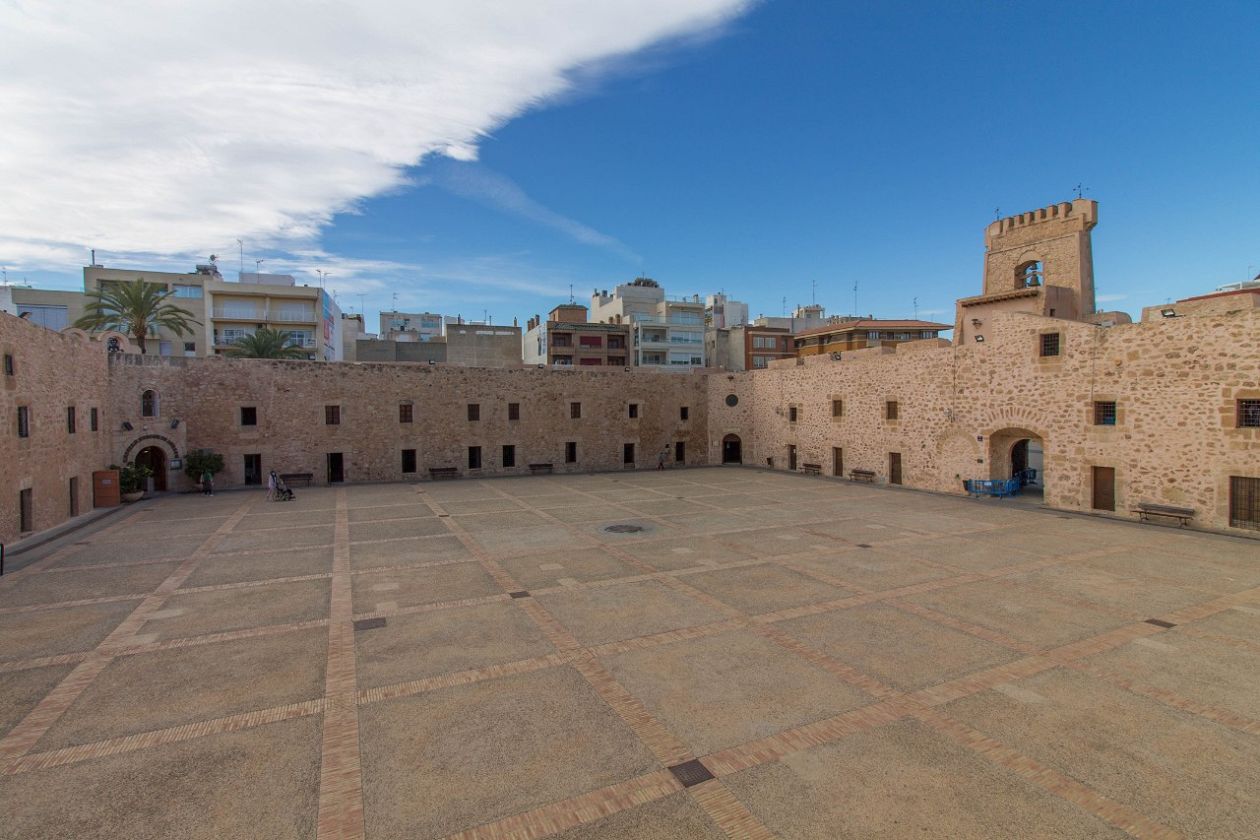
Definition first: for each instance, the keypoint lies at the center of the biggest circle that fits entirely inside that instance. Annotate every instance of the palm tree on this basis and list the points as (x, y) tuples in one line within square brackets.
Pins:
[(136, 309), (267, 343)]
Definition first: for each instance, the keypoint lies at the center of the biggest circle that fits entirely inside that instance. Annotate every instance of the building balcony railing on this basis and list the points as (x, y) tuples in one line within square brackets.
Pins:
[(285, 316)]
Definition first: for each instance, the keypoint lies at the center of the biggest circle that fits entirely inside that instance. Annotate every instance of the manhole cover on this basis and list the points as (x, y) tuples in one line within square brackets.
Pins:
[(624, 529)]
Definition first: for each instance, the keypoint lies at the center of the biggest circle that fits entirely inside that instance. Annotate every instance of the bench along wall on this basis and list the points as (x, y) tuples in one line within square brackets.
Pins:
[(1175, 383), (291, 403)]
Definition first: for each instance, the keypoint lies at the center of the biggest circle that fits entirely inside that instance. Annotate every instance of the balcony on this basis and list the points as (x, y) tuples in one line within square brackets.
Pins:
[(263, 315)]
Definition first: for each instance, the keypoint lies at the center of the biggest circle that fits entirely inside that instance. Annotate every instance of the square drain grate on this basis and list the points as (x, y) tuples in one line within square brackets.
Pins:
[(691, 773), (1159, 622), (369, 624), (521, 594)]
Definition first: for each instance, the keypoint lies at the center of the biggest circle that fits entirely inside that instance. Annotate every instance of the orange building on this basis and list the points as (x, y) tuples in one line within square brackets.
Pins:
[(864, 332)]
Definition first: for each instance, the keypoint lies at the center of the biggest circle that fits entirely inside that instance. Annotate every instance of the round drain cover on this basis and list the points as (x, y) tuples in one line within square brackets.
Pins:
[(624, 529)]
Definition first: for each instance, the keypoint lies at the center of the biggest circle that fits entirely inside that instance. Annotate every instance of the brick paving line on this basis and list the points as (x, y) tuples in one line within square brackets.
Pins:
[(68, 549), (121, 564), (1191, 630), (1121, 816), (21, 738), (663, 744), (81, 602), (340, 809)]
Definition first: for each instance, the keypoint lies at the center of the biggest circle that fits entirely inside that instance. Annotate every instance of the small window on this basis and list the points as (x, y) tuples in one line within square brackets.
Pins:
[(26, 511), (1248, 414), (190, 347), (683, 412), (633, 410), (892, 410), (332, 415), (732, 400), (514, 411), (24, 421), (1104, 414), (249, 415), (1050, 344), (1029, 275), (70, 420), (474, 457), (509, 455), (94, 419), (474, 411), (409, 460), (792, 414), (575, 410), (570, 452), (8, 364), (837, 408), (149, 404), (404, 413)]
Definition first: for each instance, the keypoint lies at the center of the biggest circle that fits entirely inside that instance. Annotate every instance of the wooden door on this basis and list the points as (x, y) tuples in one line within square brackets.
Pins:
[(894, 467), (1104, 495), (837, 461), (792, 458)]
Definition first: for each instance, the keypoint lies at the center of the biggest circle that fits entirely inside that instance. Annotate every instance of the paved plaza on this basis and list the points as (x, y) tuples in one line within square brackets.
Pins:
[(745, 654)]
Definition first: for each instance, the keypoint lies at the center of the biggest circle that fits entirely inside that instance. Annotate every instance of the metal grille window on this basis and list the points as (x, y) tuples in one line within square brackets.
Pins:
[(332, 415), (94, 419), (1050, 344), (404, 412), (837, 408), (70, 420), (792, 414), (514, 411), (474, 411), (8, 364), (575, 410), (24, 421), (1104, 414), (1248, 414), (1244, 502), (893, 410)]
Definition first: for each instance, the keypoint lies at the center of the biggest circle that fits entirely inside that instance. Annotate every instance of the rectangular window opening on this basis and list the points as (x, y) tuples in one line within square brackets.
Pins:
[(332, 415), (837, 408), (474, 457), (404, 413), (94, 419), (23, 421), (249, 415), (627, 453), (509, 455), (575, 410), (1050, 344), (893, 410), (474, 411), (26, 511), (684, 413), (570, 452), (1244, 502), (514, 411), (633, 410), (1104, 414), (792, 414), (1248, 414), (70, 420), (8, 364)]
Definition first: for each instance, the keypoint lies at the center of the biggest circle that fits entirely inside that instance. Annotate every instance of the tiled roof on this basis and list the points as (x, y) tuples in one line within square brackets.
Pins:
[(867, 324)]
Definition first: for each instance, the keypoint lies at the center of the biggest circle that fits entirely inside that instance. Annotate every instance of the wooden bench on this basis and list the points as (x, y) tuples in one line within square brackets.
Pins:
[(862, 475), (1145, 510), (811, 469), (290, 478), (540, 469), (437, 473)]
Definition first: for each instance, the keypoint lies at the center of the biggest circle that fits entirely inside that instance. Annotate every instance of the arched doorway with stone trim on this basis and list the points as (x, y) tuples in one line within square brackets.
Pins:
[(155, 459), (732, 450), (1018, 452)]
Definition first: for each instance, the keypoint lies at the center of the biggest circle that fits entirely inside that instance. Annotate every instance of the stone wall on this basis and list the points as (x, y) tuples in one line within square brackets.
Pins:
[(51, 373), (292, 436), (960, 409)]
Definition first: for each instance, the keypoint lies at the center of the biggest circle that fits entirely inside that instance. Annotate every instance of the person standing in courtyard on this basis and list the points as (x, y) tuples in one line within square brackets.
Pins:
[(660, 459), (207, 482), (271, 486)]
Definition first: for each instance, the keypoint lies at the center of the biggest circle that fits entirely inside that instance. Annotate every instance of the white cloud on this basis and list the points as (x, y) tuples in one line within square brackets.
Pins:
[(175, 127), (1109, 298)]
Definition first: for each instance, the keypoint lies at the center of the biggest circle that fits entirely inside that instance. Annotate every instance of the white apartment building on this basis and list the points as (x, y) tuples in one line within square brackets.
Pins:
[(722, 313), (668, 334)]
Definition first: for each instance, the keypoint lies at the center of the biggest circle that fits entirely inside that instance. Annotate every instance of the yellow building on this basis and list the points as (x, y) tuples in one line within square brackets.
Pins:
[(863, 332)]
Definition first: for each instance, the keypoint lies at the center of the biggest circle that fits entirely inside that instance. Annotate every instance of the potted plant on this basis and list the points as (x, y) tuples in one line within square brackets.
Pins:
[(131, 481), (202, 461)]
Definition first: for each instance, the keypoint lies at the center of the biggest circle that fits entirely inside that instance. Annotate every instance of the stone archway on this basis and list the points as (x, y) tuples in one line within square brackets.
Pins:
[(155, 459), (732, 450), (1018, 452)]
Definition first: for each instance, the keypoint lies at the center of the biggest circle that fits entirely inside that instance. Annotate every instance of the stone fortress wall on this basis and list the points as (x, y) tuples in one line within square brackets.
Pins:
[(961, 407)]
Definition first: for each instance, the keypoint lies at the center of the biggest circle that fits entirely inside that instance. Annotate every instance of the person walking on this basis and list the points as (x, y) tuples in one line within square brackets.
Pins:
[(660, 459), (271, 486), (207, 483)]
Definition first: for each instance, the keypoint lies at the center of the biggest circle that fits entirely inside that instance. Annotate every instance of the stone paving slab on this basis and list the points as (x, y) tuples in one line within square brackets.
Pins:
[(768, 655)]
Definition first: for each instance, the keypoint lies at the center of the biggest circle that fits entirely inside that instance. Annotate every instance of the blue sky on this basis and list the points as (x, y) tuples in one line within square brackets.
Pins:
[(787, 144)]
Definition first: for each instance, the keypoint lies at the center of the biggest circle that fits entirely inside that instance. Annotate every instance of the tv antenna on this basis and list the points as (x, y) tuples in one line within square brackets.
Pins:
[(855, 285), (916, 309), (323, 275), (1081, 190), (813, 291), (571, 293)]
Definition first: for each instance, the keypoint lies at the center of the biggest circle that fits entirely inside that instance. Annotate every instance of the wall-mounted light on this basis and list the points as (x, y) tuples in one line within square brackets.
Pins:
[(975, 322), (1168, 313), (127, 427), (175, 424), (979, 339)]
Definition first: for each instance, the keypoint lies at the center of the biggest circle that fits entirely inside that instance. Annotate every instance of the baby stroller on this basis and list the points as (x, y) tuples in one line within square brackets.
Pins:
[(283, 493)]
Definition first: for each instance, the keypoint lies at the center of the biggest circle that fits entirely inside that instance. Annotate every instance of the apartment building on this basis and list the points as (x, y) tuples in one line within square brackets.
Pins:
[(863, 332), (748, 347), (720, 312), (413, 326), (568, 339), (665, 333), (802, 318)]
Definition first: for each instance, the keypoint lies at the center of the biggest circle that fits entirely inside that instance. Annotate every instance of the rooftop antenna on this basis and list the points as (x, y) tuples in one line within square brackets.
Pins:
[(855, 309), (785, 306), (241, 245), (570, 293), (813, 291), (916, 309), (395, 301), (1081, 190), (258, 268), (362, 311), (997, 213), (323, 275)]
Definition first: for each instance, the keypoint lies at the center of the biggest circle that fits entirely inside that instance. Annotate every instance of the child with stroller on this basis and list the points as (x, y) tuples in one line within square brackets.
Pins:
[(277, 490)]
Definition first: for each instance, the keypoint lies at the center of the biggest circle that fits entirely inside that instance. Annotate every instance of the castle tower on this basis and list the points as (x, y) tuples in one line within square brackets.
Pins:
[(1039, 262)]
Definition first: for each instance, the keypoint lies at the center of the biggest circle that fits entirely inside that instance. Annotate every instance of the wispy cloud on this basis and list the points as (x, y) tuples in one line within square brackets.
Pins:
[(1110, 298), (485, 186), (137, 126)]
